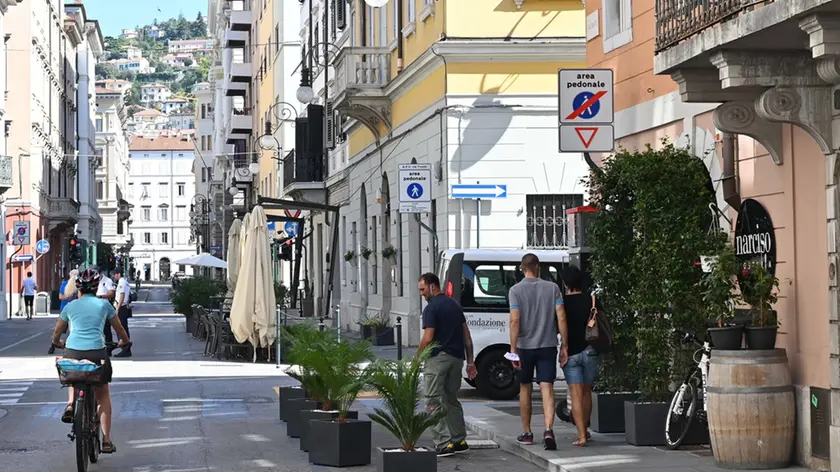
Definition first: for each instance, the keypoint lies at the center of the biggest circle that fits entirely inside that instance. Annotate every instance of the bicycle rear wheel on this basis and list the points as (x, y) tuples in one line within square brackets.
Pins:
[(682, 411), (80, 427), (94, 438)]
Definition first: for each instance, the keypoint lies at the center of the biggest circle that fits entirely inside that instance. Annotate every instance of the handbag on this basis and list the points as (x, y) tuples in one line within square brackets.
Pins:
[(598, 331)]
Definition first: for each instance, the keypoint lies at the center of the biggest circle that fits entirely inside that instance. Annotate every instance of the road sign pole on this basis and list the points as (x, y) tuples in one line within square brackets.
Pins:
[(478, 223)]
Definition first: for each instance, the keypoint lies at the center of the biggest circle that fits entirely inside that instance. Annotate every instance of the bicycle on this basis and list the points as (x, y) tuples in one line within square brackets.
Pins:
[(85, 426), (684, 402)]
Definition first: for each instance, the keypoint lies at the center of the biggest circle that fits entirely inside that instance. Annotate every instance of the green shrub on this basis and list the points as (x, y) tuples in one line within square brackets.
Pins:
[(195, 291), (281, 295)]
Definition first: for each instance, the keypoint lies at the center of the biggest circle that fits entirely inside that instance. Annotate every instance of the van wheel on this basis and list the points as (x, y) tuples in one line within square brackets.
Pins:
[(496, 378)]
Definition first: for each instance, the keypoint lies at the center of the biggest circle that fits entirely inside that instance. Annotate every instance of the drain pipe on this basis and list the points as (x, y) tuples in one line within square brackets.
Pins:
[(730, 171), (400, 44)]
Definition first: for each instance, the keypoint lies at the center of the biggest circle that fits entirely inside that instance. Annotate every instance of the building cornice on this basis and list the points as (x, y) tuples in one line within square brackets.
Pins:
[(491, 50)]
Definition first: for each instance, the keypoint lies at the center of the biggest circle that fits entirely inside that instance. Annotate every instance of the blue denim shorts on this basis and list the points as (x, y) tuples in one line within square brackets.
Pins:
[(582, 368)]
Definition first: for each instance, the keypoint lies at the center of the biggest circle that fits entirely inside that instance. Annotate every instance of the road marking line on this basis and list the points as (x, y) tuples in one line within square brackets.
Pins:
[(20, 342)]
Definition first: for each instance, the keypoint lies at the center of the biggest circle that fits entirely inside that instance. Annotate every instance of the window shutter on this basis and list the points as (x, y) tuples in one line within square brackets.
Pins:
[(329, 113), (341, 15)]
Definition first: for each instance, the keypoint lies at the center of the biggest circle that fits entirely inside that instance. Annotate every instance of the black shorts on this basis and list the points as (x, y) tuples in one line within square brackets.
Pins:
[(29, 300), (543, 360), (97, 356)]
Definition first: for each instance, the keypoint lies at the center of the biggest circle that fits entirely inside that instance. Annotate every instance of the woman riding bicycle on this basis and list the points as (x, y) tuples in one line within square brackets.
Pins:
[(86, 316)]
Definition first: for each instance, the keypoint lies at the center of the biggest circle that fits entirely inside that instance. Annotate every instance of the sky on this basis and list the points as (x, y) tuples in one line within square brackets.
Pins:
[(114, 15)]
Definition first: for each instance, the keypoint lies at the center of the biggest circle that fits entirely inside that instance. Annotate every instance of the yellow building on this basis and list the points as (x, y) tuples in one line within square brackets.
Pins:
[(262, 64), (467, 87)]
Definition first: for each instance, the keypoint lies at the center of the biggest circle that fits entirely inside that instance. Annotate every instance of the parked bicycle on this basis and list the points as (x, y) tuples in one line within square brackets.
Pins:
[(83, 376), (689, 401)]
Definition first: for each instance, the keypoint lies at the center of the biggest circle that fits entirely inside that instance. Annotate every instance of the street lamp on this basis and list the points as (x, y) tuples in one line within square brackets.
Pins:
[(376, 3)]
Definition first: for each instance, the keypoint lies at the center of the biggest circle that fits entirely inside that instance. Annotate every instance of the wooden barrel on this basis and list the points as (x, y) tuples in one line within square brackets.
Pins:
[(751, 408)]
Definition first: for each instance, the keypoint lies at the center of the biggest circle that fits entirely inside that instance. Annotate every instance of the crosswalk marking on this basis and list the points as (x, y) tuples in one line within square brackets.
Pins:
[(11, 392)]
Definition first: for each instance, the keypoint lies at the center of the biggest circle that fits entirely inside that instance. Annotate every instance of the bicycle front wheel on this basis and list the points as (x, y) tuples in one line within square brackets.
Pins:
[(80, 424), (681, 413)]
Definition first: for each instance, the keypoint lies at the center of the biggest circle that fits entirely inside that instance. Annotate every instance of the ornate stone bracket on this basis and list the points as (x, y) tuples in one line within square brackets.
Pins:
[(740, 117), (369, 116), (805, 107)]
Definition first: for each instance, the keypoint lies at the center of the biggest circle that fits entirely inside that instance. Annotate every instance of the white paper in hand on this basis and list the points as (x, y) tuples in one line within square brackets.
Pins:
[(512, 357)]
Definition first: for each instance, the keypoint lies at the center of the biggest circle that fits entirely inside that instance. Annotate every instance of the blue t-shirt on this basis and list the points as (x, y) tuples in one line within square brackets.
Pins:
[(87, 316), (61, 292)]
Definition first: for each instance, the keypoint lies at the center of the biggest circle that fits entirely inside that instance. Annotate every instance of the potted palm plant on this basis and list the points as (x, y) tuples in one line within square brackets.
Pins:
[(343, 440), (760, 290), (718, 286), (376, 329), (306, 342), (398, 383)]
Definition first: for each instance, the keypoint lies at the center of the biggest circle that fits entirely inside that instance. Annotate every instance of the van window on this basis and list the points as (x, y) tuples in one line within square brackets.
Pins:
[(485, 285)]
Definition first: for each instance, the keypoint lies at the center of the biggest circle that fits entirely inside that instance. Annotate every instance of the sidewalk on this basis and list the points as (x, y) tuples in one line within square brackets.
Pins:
[(499, 421)]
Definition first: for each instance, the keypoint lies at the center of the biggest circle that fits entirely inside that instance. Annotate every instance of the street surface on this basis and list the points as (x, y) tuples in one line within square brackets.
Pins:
[(174, 410)]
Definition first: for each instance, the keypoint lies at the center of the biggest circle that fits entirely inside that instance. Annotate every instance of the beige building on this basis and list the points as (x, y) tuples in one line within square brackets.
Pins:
[(112, 167)]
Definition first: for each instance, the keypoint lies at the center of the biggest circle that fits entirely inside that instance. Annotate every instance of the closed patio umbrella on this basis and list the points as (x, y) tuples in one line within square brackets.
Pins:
[(233, 255)]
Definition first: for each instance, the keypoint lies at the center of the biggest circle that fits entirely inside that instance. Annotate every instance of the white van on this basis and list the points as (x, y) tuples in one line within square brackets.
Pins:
[(479, 279)]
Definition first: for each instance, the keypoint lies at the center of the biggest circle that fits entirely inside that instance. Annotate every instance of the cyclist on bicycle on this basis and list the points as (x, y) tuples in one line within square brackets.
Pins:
[(86, 341)]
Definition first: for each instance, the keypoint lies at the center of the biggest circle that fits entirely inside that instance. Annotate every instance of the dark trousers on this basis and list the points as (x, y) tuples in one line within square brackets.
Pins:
[(124, 314)]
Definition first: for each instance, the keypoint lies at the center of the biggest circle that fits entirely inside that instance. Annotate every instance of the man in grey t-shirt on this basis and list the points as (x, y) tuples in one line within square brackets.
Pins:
[(536, 316)]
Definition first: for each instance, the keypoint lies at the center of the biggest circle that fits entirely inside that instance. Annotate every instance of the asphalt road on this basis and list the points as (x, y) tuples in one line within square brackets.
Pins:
[(175, 410)]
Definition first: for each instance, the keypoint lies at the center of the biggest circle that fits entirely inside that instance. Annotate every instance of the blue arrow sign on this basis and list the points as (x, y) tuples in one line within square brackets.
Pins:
[(291, 229), (478, 191), (42, 246), (23, 258)]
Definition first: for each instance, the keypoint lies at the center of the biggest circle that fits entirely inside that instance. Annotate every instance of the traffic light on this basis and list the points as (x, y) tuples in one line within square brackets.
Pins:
[(286, 251)]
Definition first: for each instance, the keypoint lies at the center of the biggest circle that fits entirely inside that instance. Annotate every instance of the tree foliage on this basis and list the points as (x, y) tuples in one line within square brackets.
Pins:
[(195, 291), (653, 224)]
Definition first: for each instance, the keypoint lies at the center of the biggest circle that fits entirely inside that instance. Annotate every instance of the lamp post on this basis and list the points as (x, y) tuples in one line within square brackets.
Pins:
[(284, 112)]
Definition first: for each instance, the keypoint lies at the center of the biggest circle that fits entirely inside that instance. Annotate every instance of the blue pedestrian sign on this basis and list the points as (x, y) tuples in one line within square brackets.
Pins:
[(475, 191), (414, 191), (42, 246), (586, 105), (291, 229), (415, 188)]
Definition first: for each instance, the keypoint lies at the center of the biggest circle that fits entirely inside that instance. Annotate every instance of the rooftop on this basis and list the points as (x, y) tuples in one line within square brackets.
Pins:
[(161, 143), (149, 112), (107, 91)]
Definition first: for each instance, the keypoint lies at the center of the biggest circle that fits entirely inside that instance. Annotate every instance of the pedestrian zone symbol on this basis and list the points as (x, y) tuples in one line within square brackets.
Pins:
[(415, 191), (583, 133)]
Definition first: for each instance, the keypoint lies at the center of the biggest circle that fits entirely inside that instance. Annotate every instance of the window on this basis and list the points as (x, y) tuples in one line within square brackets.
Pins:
[(374, 279), (485, 285), (209, 143), (163, 188), (203, 141), (100, 190), (545, 224), (618, 24), (182, 189), (395, 22), (164, 238), (203, 171), (130, 190), (411, 11), (343, 267), (353, 274), (203, 111), (147, 238), (371, 26), (383, 26), (164, 214), (99, 125), (147, 213), (145, 192), (180, 213), (100, 161)]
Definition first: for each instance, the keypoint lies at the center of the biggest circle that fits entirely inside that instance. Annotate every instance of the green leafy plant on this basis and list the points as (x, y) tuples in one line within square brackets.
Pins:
[(339, 365), (398, 383), (349, 255), (759, 289), (719, 286), (196, 291), (650, 229), (376, 320), (388, 252), (281, 294), (366, 252)]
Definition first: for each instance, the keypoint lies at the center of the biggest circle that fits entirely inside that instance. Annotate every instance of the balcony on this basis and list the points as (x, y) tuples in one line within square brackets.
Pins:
[(361, 76), (241, 72), (240, 126), (303, 179), (235, 39), (240, 20), (236, 89), (64, 213), (6, 181), (123, 210)]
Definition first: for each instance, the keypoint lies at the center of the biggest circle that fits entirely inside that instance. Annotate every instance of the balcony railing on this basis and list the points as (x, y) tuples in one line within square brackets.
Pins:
[(297, 169), (677, 20), (362, 68), (6, 181)]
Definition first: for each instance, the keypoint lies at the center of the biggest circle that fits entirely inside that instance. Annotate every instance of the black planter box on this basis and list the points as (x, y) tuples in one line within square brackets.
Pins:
[(608, 411), (379, 335), (394, 460), (340, 444), (287, 394), (293, 420), (306, 416), (644, 423)]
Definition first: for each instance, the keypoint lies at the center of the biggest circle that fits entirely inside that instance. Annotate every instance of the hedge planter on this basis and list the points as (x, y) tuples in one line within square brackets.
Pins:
[(287, 394), (608, 411), (379, 335), (306, 416), (397, 460), (727, 338), (644, 423), (339, 444), (761, 337), (294, 425)]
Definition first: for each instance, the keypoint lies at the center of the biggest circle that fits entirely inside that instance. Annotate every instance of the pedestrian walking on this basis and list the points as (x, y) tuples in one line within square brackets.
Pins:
[(123, 303), (28, 289), (107, 290), (445, 326), (581, 369), (537, 315), (67, 290)]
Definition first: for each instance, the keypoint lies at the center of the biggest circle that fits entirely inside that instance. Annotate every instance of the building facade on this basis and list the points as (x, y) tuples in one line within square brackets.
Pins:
[(154, 93), (161, 189), (112, 168), (408, 89)]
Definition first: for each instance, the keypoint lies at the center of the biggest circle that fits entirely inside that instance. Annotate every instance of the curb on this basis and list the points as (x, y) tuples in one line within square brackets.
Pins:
[(486, 431)]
